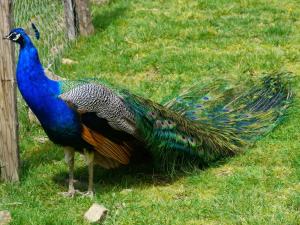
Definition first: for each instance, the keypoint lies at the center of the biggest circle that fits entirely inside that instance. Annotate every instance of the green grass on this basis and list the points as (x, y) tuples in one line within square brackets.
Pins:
[(156, 49)]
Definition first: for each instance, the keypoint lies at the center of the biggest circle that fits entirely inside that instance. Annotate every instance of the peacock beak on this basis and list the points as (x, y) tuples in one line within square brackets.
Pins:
[(6, 37)]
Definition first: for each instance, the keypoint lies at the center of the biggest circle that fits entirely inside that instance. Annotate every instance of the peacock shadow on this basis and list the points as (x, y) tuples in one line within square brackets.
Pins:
[(142, 172), (139, 171)]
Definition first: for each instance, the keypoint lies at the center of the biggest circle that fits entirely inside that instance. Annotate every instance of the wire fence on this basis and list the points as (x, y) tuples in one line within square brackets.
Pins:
[(49, 18)]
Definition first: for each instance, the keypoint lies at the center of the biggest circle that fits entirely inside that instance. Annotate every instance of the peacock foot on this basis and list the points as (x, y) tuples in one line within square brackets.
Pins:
[(89, 194), (70, 193)]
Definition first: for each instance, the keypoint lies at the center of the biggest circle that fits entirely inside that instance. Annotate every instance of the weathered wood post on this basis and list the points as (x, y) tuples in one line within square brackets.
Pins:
[(70, 18), (78, 18), (84, 17), (9, 156)]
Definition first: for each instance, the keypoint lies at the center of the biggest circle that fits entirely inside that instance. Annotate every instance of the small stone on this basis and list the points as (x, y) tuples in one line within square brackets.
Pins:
[(100, 2), (41, 140), (68, 61), (32, 117), (96, 213), (121, 205), (56, 49), (126, 191), (52, 75), (5, 217)]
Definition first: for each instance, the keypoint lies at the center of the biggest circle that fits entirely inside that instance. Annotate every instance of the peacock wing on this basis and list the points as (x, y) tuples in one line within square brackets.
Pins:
[(106, 124)]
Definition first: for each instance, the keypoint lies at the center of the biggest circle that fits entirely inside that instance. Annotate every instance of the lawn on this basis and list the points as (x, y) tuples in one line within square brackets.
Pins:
[(156, 49)]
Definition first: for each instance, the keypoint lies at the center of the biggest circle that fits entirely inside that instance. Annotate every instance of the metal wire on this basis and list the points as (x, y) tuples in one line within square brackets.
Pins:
[(48, 16)]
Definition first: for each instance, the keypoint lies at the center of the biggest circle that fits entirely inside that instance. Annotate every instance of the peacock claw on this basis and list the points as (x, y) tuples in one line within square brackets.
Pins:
[(87, 194), (70, 193)]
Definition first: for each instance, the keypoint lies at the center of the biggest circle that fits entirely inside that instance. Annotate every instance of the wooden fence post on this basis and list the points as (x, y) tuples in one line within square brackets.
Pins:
[(84, 18), (78, 18), (9, 155), (70, 18)]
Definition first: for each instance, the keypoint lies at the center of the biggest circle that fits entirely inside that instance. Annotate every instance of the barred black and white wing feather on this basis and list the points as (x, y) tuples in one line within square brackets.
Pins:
[(102, 101)]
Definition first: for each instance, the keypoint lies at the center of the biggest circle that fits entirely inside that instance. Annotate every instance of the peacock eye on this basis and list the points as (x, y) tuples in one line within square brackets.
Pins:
[(12, 35), (16, 37)]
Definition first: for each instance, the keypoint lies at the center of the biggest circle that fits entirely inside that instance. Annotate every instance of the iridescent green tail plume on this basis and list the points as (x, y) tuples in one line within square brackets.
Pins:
[(214, 121)]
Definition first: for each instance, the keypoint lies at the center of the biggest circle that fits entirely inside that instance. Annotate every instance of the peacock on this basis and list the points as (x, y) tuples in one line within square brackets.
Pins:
[(108, 126)]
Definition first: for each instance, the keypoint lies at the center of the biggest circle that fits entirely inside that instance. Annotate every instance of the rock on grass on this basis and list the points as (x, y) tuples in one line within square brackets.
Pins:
[(5, 217), (96, 213)]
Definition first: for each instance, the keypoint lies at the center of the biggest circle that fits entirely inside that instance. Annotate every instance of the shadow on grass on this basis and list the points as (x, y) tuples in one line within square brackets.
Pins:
[(140, 173), (102, 19), (46, 153), (117, 179)]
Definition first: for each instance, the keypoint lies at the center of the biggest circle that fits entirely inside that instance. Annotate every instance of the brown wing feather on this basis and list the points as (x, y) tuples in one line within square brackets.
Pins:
[(105, 162), (106, 147)]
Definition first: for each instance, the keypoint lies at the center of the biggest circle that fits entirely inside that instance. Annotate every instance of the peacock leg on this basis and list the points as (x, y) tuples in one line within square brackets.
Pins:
[(69, 158), (89, 156)]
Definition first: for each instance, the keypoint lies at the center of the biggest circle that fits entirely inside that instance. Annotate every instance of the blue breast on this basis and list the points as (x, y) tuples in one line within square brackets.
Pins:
[(61, 123)]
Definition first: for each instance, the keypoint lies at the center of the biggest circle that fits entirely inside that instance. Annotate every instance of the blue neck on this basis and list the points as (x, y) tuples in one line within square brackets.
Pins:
[(29, 68), (31, 78), (41, 94)]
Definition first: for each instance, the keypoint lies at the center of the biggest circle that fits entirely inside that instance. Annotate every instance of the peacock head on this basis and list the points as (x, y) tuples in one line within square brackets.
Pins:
[(20, 36), (17, 35)]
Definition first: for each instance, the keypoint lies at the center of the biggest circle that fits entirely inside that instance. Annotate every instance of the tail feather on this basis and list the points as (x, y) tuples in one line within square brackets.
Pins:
[(205, 122), (260, 107), (212, 121)]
